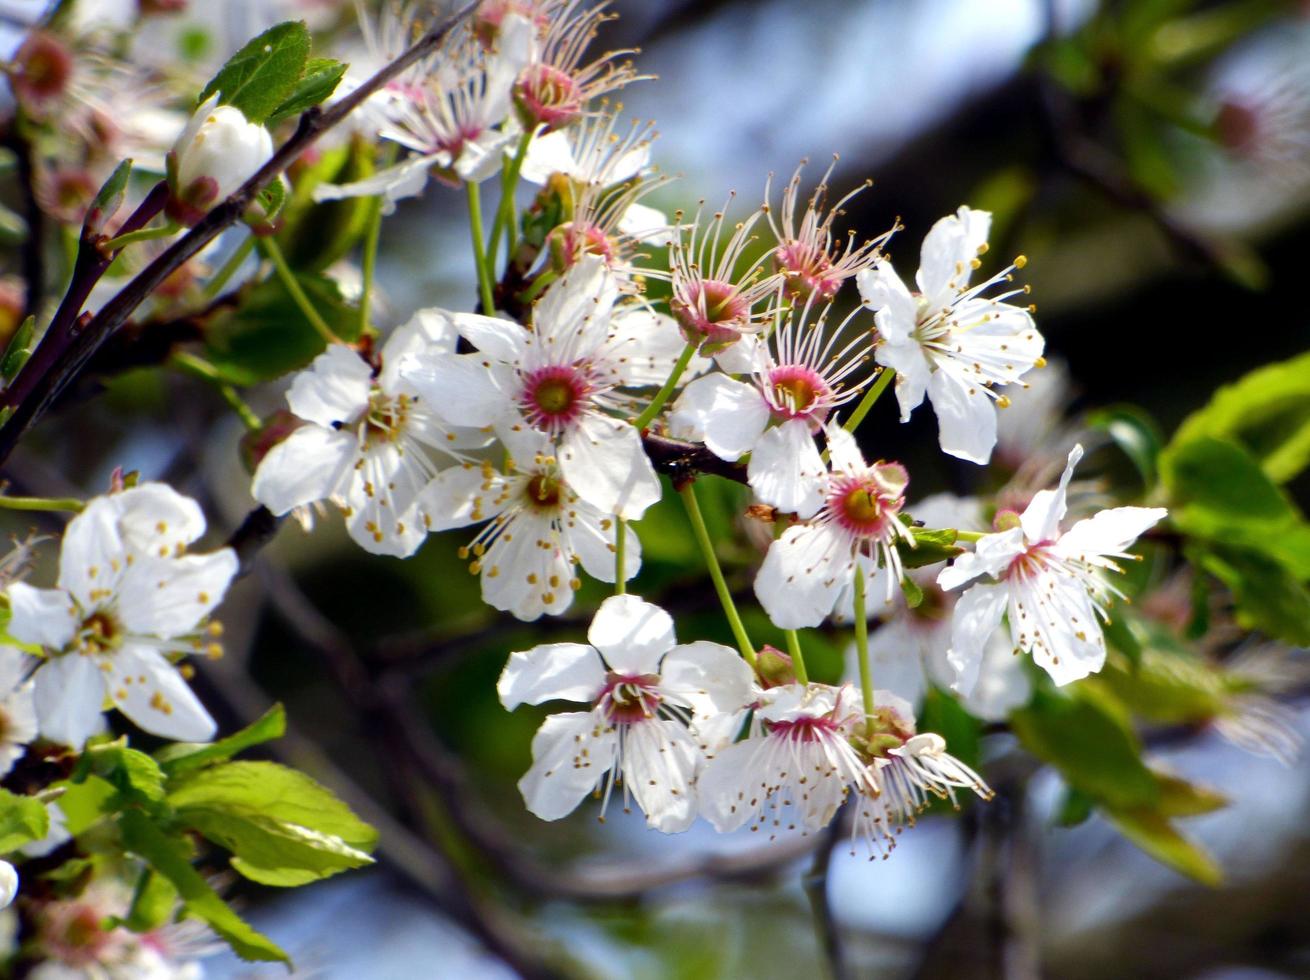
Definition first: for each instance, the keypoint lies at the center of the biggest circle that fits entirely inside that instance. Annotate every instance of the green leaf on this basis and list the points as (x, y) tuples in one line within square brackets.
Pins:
[(1153, 833), (152, 903), (1267, 595), (85, 802), (931, 545), (1267, 412), (282, 827), (1094, 751), (108, 199), (268, 336), (319, 81), (1134, 432), (913, 594), (259, 77), (19, 350), (1075, 808), (1179, 798), (170, 857), (23, 819), (134, 774), (182, 757)]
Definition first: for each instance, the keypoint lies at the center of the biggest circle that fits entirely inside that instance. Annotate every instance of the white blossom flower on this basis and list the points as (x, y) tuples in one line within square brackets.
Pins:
[(950, 340), (594, 151), (644, 691), (128, 598), (537, 530), (801, 375), (1051, 583), (8, 883), (561, 378), (795, 768), (367, 440), (452, 123), (810, 261), (217, 152), (17, 708), (810, 566)]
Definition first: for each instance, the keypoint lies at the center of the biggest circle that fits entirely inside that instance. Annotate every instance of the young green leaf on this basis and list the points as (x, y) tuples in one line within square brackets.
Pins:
[(274, 852), (182, 757), (259, 77), (19, 350), (316, 85), (1157, 836), (152, 902), (1134, 432), (23, 819), (107, 200), (170, 857), (931, 545)]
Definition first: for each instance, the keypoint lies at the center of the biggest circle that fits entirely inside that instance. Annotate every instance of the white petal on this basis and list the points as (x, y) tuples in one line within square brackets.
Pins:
[(991, 555), (571, 753), (631, 634), (334, 388), (843, 450), (728, 416), (1110, 532), (381, 492), (169, 597), (482, 158), (550, 153), (643, 348), (966, 417), (69, 693), (46, 617), (154, 518), (93, 555), (881, 290), (499, 339), (786, 470), (744, 356), (462, 389), (802, 575), (660, 758), (976, 617), (907, 359), (405, 179), (1041, 518), (604, 462), (949, 248), (428, 331), (1003, 683), (727, 784), (550, 672), (574, 314), (150, 691), (647, 225), (529, 575), (308, 465), (594, 543), (458, 493), (712, 678)]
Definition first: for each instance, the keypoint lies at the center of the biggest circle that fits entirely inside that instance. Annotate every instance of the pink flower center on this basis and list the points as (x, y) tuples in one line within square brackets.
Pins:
[(543, 493), (862, 505), (1030, 563), (798, 392), (711, 311), (554, 397), (571, 241), (629, 698), (546, 94), (805, 729), (808, 270)]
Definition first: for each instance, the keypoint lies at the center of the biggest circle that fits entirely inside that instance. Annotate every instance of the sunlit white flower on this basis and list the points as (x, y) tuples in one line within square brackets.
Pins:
[(451, 123), (560, 378), (128, 599), (217, 152), (810, 260), (8, 883), (810, 566), (596, 150), (17, 708), (802, 374), (1051, 583), (950, 340), (644, 691), (367, 440), (537, 530), (794, 769)]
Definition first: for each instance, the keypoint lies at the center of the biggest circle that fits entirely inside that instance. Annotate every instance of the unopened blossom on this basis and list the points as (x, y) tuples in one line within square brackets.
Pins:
[(812, 260), (805, 370), (715, 302), (561, 378), (537, 530), (217, 152), (795, 768), (1051, 582), (128, 599), (489, 17), (8, 883), (555, 87), (368, 440), (856, 525), (910, 770), (951, 341), (452, 122), (18, 724), (646, 694)]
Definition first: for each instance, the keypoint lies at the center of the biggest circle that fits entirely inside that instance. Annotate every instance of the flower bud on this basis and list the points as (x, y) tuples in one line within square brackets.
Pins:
[(42, 69), (8, 883), (774, 668), (217, 152)]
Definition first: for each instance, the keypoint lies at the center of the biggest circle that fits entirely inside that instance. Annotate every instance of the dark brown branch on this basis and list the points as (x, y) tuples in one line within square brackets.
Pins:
[(34, 245), (258, 529), (682, 461), (46, 375)]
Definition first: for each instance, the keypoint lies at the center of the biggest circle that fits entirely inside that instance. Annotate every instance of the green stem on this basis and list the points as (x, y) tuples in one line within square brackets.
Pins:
[(862, 647), (270, 248), (797, 658), (688, 494), (143, 235), (538, 285), (203, 369), (970, 535), (220, 278), (875, 390), (40, 503), (653, 409), (509, 182), (479, 252), (620, 543), (371, 235)]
